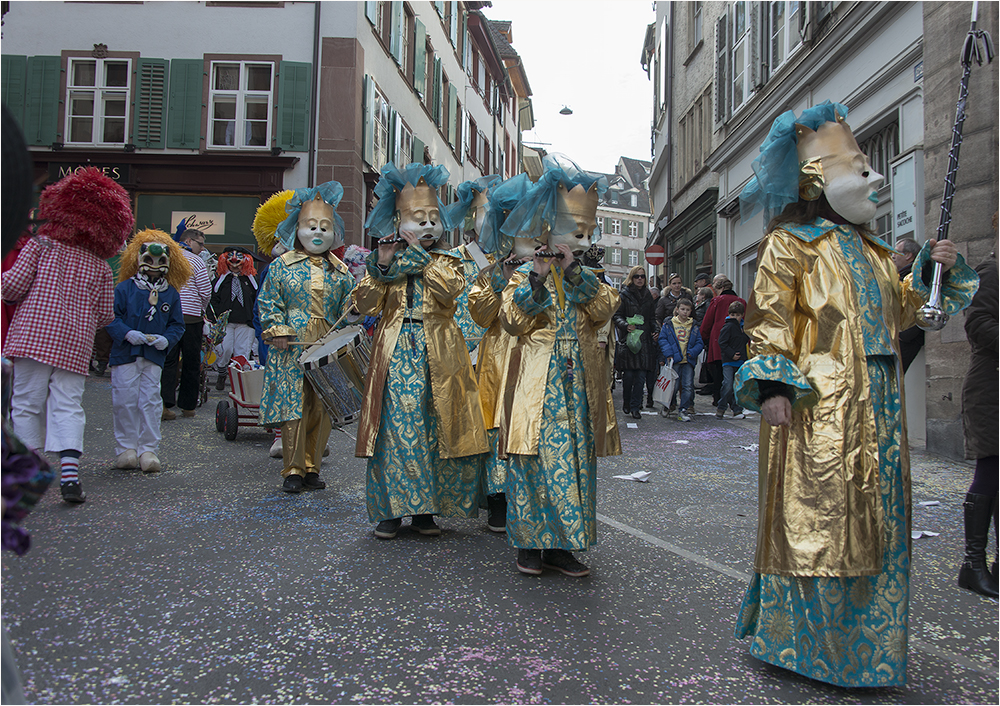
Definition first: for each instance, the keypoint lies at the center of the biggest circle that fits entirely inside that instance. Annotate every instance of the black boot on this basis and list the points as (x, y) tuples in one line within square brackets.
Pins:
[(497, 521), (974, 575)]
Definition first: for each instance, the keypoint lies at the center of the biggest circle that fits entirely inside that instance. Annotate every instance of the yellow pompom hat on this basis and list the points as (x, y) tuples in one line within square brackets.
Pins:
[(269, 216)]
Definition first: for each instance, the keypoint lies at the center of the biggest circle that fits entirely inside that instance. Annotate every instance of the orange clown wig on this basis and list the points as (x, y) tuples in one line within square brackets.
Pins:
[(180, 269)]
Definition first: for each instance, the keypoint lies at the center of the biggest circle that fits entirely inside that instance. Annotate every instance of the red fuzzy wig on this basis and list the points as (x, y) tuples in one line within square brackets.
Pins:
[(246, 268), (88, 210)]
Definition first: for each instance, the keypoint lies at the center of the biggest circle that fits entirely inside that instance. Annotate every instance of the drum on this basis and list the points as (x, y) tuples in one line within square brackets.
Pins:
[(336, 366)]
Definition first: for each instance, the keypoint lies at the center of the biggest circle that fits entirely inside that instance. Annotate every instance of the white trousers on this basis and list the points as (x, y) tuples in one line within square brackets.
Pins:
[(239, 340), (135, 398), (47, 406)]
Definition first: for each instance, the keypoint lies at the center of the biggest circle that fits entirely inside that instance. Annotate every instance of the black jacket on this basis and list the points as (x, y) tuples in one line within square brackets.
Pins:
[(636, 302), (733, 340), (223, 299)]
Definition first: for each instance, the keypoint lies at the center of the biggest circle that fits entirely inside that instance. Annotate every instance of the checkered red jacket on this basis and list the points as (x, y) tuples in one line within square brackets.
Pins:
[(64, 295)]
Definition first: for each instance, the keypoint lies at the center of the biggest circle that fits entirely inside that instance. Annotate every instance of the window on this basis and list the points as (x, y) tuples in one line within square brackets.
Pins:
[(741, 54), (616, 256), (404, 144), (633, 226), (633, 258), (97, 93), (784, 31), (882, 148), (473, 142), (695, 143), (694, 26), (616, 226), (380, 130), (634, 200), (240, 100)]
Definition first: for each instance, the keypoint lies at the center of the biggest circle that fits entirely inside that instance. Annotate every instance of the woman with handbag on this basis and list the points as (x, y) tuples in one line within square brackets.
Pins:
[(637, 358)]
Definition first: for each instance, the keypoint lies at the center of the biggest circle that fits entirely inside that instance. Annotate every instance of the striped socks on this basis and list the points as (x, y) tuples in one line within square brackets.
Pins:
[(69, 460)]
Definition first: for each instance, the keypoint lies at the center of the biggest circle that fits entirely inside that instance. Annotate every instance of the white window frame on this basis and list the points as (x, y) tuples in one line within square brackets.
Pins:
[(100, 94), (741, 52), (695, 27), (616, 256), (404, 144), (380, 129), (242, 97), (616, 226), (633, 226), (633, 258), (783, 37)]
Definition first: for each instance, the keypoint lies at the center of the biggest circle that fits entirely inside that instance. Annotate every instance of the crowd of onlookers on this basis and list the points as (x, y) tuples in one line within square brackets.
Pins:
[(697, 333)]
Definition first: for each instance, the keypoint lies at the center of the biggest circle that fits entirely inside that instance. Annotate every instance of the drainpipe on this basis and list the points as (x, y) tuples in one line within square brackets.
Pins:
[(315, 81)]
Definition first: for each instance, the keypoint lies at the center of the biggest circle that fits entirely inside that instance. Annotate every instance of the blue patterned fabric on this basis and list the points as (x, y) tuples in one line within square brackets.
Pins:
[(775, 368), (845, 631), (406, 476), (958, 286), (494, 467), (471, 331), (873, 331)]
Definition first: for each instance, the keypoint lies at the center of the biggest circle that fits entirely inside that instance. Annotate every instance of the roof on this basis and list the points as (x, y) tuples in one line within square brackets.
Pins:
[(635, 170), (620, 190)]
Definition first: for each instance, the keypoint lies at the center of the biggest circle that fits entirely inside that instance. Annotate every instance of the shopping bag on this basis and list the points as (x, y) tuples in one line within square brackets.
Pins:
[(634, 338), (664, 388)]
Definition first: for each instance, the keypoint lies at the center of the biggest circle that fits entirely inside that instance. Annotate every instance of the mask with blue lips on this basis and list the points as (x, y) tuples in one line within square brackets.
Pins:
[(317, 231)]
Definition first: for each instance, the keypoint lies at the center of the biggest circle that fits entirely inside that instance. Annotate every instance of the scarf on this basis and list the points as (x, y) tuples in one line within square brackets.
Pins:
[(154, 288)]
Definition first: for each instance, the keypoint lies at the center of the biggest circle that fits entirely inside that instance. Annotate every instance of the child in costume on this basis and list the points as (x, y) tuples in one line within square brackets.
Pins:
[(830, 593), (148, 321), (555, 410), (63, 285), (421, 439), (306, 292), (235, 291), (494, 350)]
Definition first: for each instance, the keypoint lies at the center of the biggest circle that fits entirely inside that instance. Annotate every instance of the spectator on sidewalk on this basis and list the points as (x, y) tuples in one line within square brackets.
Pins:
[(733, 344), (711, 325), (636, 366), (674, 292), (186, 355), (680, 343), (911, 340)]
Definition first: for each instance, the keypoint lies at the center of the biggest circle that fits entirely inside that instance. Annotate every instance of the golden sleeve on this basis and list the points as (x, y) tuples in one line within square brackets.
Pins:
[(444, 279), (769, 320), (369, 295), (484, 300)]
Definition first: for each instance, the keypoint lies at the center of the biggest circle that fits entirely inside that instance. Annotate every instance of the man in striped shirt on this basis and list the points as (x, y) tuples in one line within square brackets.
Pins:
[(195, 296)]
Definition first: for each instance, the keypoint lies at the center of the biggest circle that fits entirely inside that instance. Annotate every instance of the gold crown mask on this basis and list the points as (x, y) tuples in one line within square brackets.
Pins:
[(821, 151), (416, 198), (316, 208), (575, 219)]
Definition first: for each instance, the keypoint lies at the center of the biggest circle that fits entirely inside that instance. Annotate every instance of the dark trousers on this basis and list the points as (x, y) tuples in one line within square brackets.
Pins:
[(715, 386), (187, 355), (102, 345), (633, 382)]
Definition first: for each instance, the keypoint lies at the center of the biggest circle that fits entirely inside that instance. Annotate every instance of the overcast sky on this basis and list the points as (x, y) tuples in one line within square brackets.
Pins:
[(585, 54)]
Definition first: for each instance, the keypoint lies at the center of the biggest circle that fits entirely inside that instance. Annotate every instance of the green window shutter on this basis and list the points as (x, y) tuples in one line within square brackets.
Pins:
[(187, 79), (419, 57), (439, 6), (368, 134), (452, 117), (393, 121), (437, 91), (418, 150), (294, 99), (396, 34), (459, 145), (640, 229), (463, 55), (453, 25), (607, 225), (371, 10), (42, 106), (12, 74), (150, 103)]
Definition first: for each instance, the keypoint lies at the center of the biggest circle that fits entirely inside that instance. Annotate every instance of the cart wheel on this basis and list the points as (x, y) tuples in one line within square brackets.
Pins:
[(232, 423), (220, 415)]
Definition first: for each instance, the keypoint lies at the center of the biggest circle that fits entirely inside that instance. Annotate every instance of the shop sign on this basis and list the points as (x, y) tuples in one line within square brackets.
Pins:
[(208, 222), (117, 172)]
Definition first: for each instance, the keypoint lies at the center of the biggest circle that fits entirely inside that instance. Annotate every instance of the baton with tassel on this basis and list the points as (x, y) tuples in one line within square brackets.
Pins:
[(931, 316)]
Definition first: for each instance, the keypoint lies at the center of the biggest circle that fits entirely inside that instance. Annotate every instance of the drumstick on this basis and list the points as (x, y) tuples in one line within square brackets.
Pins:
[(337, 323)]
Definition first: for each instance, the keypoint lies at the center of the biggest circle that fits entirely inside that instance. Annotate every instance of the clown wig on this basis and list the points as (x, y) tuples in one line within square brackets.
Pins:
[(246, 268), (180, 268), (269, 216), (88, 210)]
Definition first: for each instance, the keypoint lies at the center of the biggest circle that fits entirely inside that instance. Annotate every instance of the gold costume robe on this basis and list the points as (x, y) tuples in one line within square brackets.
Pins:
[(453, 383)]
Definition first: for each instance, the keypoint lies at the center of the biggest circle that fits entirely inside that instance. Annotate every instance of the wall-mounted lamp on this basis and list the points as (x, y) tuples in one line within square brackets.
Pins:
[(129, 147)]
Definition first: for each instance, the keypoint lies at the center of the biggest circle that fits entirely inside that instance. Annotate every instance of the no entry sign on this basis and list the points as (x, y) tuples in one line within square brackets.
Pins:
[(654, 254)]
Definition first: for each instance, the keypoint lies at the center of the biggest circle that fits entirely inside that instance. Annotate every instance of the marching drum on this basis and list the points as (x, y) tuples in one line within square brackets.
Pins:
[(336, 366)]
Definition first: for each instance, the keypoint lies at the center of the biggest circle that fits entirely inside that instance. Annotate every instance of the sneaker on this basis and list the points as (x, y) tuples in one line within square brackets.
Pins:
[(529, 561), (292, 484), (312, 482), (187, 412), (148, 462), (100, 367), (127, 459), (72, 492), (683, 417), (497, 504), (664, 412), (275, 451), (562, 561), (424, 524), (220, 383), (386, 529), (168, 414), (739, 415), (720, 413)]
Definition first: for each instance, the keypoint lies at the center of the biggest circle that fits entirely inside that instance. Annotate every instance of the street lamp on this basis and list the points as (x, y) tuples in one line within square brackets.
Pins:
[(566, 110)]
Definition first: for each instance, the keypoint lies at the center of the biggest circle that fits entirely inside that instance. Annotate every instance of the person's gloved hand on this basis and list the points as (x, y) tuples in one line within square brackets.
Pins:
[(136, 338), (159, 343)]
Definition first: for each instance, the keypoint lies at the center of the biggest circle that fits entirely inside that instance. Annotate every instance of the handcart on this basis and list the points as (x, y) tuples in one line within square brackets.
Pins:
[(245, 390)]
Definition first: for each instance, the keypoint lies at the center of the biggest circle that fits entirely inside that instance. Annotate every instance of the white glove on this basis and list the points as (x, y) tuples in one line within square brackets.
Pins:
[(136, 338), (159, 343)]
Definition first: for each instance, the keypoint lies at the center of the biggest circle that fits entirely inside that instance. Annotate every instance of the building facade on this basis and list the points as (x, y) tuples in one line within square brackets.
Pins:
[(202, 124), (623, 216), (723, 71)]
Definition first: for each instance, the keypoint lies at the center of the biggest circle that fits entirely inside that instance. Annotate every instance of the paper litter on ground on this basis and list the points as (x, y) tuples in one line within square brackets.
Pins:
[(632, 425), (681, 441), (929, 503), (641, 476), (917, 534), (751, 447)]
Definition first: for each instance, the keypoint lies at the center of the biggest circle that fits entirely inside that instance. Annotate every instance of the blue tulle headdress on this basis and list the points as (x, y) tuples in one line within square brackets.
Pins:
[(466, 194), (382, 219), (503, 198), (331, 192), (538, 212), (777, 171)]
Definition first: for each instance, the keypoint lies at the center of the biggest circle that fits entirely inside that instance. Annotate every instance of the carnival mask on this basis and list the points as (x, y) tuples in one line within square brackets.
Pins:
[(418, 212), (832, 163), (476, 216), (317, 228), (234, 261), (575, 220), (525, 248), (154, 260)]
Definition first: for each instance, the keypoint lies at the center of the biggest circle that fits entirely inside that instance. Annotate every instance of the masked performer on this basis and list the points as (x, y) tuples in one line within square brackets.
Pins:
[(235, 291), (307, 290), (63, 285), (494, 350), (469, 211), (421, 424), (555, 406), (830, 595), (148, 321)]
